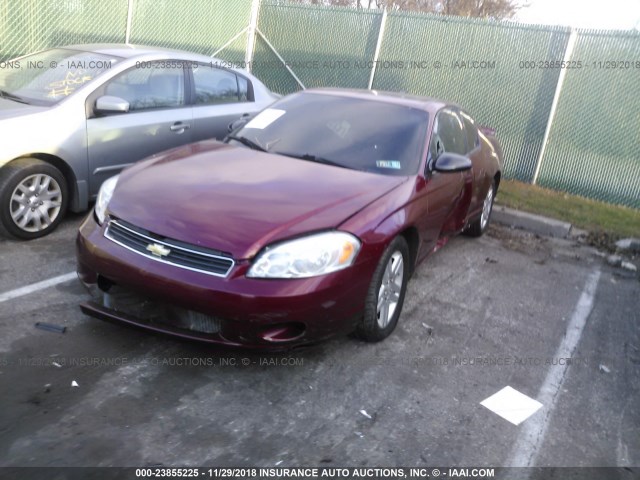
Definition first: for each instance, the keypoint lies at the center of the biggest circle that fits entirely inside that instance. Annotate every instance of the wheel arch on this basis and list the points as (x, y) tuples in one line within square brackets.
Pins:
[(75, 202), (496, 178), (411, 236)]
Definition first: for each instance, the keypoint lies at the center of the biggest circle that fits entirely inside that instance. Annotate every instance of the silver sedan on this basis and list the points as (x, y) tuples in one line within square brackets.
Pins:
[(72, 117)]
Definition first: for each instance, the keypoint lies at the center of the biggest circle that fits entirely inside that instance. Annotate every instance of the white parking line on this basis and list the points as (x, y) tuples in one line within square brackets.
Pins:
[(531, 437), (34, 287)]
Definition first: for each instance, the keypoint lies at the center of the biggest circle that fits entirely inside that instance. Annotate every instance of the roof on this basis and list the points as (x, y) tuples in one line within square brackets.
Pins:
[(124, 50), (428, 104)]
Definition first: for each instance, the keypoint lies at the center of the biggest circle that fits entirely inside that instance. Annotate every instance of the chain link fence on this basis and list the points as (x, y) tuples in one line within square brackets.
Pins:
[(594, 140), (31, 25), (324, 46), (201, 26), (565, 103), (477, 65)]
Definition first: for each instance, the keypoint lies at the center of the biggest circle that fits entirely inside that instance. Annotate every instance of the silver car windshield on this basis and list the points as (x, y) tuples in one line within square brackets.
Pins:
[(45, 78)]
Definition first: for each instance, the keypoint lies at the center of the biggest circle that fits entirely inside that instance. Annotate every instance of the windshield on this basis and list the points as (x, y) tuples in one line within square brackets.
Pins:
[(354, 133), (47, 77)]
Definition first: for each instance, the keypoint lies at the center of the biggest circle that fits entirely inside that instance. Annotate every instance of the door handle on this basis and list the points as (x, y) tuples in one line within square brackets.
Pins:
[(179, 127)]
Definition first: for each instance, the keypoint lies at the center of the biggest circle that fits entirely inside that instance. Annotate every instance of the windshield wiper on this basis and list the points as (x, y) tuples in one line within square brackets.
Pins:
[(312, 158), (249, 143), (11, 96)]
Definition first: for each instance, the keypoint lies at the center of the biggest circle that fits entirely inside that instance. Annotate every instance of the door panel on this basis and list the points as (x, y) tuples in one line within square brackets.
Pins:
[(474, 152), (446, 192), (220, 98), (158, 119)]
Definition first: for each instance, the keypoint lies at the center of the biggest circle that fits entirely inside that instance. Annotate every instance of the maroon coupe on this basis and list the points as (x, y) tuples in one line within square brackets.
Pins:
[(306, 222)]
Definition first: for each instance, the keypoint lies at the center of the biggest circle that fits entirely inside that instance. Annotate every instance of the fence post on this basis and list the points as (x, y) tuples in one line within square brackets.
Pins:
[(383, 23), (284, 62), (568, 53), (127, 34), (251, 34)]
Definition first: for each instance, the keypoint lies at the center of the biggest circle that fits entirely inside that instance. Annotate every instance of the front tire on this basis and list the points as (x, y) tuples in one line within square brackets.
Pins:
[(386, 293), (33, 198), (481, 224)]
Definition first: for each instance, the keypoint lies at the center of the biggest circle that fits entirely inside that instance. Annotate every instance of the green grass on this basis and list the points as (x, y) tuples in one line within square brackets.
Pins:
[(583, 213)]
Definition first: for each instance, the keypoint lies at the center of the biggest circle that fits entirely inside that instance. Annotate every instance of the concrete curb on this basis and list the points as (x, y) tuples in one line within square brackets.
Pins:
[(530, 222)]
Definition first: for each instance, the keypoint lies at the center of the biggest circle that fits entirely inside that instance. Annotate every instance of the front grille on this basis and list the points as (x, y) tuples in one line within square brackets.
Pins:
[(168, 251), (152, 312)]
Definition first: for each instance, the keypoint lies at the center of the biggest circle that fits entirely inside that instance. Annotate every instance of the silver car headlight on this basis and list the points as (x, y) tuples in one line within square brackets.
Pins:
[(307, 256), (104, 196)]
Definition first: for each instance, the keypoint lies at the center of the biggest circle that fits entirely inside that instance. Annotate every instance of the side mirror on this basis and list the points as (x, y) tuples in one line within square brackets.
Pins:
[(109, 104), (239, 123), (452, 162)]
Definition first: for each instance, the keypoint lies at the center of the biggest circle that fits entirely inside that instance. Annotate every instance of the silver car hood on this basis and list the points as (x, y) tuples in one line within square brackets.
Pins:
[(11, 109)]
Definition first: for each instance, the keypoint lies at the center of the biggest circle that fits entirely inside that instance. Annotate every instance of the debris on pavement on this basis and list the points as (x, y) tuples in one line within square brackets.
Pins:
[(629, 266), (614, 260), (364, 412), (74, 384), (429, 329), (602, 241), (631, 244), (360, 434), (47, 388), (490, 260), (604, 368), (50, 327), (278, 462)]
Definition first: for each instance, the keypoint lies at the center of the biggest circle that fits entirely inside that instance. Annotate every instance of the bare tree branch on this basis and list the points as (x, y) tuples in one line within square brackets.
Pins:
[(495, 9)]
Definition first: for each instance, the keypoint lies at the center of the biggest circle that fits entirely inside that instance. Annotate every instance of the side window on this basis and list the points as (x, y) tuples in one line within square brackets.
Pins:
[(449, 134), (243, 89), (215, 86), (150, 87), (471, 131)]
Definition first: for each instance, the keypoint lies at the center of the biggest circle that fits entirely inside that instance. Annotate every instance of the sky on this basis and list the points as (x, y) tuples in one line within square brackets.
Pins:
[(599, 14)]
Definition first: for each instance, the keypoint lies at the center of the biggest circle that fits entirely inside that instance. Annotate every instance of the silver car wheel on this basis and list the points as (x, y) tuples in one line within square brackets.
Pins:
[(36, 202), (486, 208), (389, 293)]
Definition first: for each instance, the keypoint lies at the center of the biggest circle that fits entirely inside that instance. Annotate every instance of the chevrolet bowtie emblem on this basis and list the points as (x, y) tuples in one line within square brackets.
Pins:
[(158, 250)]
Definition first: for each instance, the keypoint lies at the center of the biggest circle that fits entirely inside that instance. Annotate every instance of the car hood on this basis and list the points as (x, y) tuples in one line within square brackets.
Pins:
[(11, 109), (238, 200)]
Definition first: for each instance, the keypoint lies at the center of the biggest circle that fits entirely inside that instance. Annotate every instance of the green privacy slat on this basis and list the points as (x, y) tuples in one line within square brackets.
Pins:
[(320, 56), (513, 100), (201, 26), (31, 25), (592, 147), (594, 143)]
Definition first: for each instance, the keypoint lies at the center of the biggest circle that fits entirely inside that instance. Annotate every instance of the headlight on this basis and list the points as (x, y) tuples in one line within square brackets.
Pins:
[(104, 195), (306, 257)]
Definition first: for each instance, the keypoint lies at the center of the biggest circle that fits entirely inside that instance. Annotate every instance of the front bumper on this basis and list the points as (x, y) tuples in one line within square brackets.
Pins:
[(259, 313)]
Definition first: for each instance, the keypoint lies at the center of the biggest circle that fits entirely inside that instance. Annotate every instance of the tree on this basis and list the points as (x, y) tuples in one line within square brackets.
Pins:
[(495, 9)]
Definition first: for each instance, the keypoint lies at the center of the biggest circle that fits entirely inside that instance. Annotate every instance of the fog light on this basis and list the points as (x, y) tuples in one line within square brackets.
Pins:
[(285, 332), (104, 284)]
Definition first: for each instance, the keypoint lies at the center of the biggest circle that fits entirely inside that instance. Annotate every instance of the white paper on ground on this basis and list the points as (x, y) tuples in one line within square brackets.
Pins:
[(511, 405)]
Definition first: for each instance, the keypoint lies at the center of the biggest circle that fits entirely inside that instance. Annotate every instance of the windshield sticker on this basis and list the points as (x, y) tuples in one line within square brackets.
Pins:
[(389, 164), (340, 128), (265, 118), (68, 85)]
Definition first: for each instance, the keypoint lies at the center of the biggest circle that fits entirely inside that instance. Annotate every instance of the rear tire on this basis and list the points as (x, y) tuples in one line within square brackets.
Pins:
[(33, 198), (481, 224), (385, 297)]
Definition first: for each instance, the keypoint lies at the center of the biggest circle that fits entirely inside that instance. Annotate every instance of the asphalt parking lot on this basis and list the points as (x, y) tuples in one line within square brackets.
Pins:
[(480, 315)]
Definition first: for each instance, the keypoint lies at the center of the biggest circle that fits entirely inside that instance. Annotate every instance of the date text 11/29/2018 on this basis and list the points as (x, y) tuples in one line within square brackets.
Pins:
[(313, 472)]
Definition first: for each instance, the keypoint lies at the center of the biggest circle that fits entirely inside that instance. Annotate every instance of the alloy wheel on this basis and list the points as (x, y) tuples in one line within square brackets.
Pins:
[(390, 289), (36, 202)]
